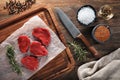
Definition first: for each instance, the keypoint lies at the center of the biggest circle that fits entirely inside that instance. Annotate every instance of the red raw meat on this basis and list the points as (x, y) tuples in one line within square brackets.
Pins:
[(30, 62), (24, 43), (38, 49), (42, 35)]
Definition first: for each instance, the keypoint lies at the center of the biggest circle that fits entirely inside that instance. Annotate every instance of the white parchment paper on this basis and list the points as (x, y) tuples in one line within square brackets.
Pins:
[(55, 47)]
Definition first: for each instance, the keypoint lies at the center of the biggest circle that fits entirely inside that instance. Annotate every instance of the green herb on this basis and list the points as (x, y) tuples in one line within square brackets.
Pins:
[(11, 55), (80, 52)]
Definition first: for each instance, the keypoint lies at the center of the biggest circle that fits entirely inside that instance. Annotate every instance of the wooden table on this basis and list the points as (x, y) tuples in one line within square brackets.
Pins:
[(70, 7)]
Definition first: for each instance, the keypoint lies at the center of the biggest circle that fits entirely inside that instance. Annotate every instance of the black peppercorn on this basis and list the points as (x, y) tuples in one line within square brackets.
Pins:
[(15, 7)]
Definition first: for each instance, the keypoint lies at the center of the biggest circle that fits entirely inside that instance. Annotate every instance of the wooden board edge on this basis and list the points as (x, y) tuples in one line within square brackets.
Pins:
[(62, 36), (15, 18), (19, 17)]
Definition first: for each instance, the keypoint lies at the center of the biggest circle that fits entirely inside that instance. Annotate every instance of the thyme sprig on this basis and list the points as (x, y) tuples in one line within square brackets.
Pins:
[(11, 56), (80, 52)]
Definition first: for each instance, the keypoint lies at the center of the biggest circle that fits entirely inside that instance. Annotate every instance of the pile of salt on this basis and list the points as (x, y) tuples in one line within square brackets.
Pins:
[(86, 15)]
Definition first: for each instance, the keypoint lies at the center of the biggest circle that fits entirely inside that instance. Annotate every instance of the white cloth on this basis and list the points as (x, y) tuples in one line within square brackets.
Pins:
[(54, 48), (106, 68)]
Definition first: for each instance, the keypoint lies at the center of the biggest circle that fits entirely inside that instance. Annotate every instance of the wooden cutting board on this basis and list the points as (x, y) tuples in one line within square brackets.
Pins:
[(60, 65)]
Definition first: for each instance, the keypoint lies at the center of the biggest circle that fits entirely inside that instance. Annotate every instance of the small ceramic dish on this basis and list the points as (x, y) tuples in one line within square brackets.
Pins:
[(86, 15), (101, 33)]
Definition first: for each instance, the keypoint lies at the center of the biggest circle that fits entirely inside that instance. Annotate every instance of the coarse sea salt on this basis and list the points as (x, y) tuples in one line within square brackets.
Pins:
[(86, 15)]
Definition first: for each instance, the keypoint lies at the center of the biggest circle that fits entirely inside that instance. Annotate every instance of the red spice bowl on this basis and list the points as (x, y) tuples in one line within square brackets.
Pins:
[(101, 33)]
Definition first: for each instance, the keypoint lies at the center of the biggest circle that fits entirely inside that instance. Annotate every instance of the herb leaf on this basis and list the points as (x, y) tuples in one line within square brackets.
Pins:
[(80, 53), (11, 55)]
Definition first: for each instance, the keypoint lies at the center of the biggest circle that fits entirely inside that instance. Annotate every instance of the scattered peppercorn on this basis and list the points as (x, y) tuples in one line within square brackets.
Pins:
[(15, 7)]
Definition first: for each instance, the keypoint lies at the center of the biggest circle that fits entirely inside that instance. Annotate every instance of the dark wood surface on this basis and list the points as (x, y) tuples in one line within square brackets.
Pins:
[(70, 7)]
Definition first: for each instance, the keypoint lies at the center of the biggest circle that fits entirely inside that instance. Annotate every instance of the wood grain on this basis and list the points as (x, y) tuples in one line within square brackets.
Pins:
[(70, 7), (89, 46), (63, 63)]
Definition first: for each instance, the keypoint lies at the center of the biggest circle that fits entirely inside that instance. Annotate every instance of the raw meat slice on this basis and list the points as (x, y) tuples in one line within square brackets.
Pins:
[(42, 35), (30, 62), (38, 49), (24, 43)]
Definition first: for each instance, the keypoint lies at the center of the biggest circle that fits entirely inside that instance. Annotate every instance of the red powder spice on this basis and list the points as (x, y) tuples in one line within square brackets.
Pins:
[(102, 33)]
